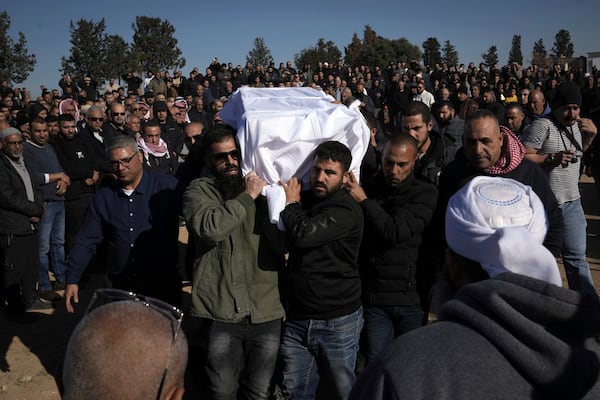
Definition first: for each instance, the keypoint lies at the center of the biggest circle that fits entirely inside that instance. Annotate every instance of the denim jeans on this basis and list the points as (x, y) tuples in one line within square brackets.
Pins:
[(383, 324), (52, 243), (577, 268), (320, 349), (241, 352)]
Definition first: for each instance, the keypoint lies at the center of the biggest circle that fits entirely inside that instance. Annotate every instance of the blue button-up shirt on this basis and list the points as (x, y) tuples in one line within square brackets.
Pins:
[(140, 229)]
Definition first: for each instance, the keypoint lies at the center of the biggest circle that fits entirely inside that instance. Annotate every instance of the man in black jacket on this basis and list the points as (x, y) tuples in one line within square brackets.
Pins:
[(397, 208), (324, 317), (21, 207)]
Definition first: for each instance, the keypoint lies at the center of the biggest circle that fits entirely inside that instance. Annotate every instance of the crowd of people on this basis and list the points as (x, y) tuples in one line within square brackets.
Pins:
[(471, 175)]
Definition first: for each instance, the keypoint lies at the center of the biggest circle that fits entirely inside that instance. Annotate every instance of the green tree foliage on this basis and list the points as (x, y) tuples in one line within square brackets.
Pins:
[(87, 50), (155, 45), (431, 52), (117, 57), (449, 53), (322, 51), (260, 54), (515, 55), (377, 50), (491, 56), (562, 45), (539, 55), (15, 61), (353, 50)]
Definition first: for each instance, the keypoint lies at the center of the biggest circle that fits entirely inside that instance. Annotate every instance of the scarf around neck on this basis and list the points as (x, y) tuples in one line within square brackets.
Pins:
[(511, 155)]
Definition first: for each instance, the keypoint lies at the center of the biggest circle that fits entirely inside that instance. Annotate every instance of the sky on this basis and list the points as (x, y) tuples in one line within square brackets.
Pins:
[(227, 29)]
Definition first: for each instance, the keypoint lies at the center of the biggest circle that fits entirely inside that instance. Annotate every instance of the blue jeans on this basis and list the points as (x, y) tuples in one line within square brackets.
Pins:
[(320, 349), (383, 324), (577, 268), (241, 352), (52, 243)]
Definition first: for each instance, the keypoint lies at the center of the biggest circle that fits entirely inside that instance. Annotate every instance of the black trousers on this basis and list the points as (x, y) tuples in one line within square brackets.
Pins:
[(20, 262)]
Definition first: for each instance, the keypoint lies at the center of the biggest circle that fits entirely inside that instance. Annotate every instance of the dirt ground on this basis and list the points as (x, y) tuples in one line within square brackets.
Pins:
[(30, 355)]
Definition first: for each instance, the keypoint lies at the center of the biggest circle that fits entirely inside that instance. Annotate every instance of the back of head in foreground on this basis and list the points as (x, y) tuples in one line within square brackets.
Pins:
[(518, 335), (120, 351)]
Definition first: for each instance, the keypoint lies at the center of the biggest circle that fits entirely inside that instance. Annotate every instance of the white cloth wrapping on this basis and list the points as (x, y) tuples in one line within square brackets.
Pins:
[(501, 223), (278, 129)]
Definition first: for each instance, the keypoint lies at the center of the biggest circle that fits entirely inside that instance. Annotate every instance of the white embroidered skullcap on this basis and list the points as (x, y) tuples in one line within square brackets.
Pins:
[(501, 223)]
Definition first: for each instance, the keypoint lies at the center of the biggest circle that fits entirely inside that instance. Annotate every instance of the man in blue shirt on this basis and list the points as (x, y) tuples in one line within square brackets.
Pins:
[(138, 217)]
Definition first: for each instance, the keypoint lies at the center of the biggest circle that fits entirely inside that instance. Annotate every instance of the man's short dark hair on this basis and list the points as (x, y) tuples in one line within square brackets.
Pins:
[(479, 114), (447, 103), (404, 139), (219, 133), (65, 117), (334, 151), (418, 108), (51, 118), (515, 106)]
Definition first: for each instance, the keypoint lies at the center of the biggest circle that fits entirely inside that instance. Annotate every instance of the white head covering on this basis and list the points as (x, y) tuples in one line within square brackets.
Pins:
[(501, 223)]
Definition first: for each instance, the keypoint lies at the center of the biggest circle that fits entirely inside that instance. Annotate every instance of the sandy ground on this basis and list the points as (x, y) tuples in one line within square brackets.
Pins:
[(30, 355)]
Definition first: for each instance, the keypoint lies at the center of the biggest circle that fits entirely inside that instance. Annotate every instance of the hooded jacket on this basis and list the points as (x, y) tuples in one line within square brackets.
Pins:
[(511, 337)]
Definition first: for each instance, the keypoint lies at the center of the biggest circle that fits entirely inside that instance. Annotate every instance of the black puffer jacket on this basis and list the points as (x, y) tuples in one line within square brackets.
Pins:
[(394, 221)]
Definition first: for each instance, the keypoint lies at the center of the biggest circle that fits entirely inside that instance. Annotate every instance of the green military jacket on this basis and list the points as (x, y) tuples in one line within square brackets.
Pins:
[(229, 282)]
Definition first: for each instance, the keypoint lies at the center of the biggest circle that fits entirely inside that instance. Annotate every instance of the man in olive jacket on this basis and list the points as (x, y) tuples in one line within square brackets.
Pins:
[(235, 279)]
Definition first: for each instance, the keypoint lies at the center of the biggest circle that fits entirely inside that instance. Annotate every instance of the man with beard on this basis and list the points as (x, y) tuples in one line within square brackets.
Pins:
[(325, 317), (136, 215), (557, 144), (451, 126), (235, 289)]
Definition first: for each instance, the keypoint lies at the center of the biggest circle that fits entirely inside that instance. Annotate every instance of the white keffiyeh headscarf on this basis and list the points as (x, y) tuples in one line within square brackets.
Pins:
[(501, 223)]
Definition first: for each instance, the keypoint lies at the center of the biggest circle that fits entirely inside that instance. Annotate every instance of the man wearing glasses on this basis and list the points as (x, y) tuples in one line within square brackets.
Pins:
[(146, 358), (137, 216), (238, 256), (21, 207)]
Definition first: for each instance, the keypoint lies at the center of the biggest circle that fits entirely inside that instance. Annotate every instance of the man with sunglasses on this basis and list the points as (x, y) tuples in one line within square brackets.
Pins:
[(238, 256), (137, 216)]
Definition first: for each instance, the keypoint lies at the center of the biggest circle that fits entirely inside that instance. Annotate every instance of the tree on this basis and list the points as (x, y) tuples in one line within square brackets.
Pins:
[(15, 61), (155, 45), (539, 55), (449, 54), (322, 51), (377, 50), (353, 50), (117, 57), (515, 55), (260, 53), (87, 50), (431, 52), (563, 48), (491, 56)]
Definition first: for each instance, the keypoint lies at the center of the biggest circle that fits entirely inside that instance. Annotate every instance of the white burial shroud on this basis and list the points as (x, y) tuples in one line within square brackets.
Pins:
[(278, 129)]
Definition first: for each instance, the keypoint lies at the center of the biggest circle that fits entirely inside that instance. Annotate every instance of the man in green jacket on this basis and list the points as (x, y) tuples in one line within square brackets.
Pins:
[(238, 255)]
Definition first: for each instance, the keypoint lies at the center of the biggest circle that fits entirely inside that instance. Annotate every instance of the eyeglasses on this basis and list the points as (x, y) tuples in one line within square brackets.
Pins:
[(125, 162), (224, 157), (17, 143), (102, 297), (135, 109), (118, 113), (96, 119)]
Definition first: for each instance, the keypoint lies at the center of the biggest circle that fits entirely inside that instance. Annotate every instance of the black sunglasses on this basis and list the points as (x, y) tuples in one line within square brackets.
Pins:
[(224, 157)]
